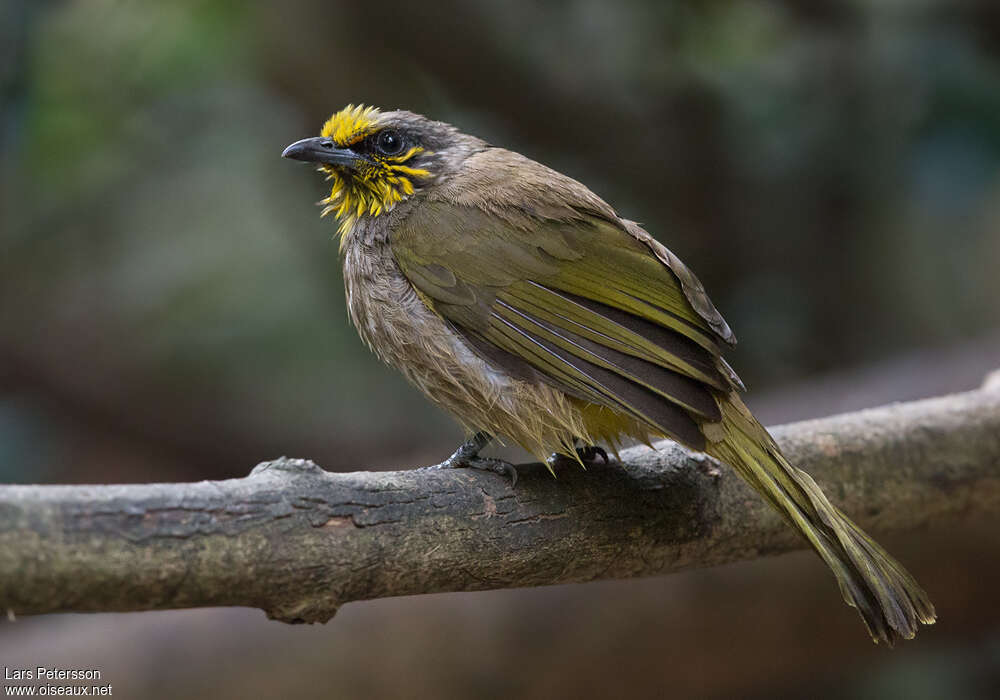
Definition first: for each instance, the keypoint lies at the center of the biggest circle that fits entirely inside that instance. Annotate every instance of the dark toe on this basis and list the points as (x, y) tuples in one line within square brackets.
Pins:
[(590, 453)]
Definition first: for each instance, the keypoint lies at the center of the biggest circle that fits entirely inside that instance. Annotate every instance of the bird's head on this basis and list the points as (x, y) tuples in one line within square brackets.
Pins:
[(378, 159)]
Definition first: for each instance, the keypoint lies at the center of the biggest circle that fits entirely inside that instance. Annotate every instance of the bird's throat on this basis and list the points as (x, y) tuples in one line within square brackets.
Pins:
[(356, 195)]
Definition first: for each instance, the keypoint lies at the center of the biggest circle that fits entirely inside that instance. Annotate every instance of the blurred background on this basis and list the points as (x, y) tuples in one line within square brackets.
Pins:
[(171, 305)]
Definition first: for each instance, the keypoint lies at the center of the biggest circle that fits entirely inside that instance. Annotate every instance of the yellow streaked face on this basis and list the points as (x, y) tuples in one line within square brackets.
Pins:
[(381, 172)]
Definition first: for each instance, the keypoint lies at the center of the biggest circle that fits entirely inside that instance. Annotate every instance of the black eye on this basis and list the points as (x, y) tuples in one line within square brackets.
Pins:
[(389, 142)]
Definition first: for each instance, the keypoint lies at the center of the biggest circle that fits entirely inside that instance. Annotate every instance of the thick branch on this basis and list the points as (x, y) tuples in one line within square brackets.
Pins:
[(298, 542)]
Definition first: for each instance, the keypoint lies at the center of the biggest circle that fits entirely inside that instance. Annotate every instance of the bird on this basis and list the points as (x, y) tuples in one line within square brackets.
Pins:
[(520, 302)]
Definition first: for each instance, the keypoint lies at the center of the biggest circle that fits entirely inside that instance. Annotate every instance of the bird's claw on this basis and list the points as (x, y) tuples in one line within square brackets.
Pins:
[(590, 453), (497, 466), (587, 455)]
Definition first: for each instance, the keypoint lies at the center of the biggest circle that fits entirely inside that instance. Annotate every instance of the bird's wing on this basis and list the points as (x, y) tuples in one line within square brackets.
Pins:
[(580, 302)]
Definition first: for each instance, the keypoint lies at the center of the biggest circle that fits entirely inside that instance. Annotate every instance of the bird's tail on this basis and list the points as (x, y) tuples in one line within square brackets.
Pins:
[(890, 601)]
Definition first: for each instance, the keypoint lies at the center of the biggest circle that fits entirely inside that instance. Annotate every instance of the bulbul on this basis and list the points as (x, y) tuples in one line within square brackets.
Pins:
[(523, 304)]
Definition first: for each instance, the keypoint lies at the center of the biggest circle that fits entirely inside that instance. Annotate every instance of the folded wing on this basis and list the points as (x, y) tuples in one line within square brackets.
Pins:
[(579, 302)]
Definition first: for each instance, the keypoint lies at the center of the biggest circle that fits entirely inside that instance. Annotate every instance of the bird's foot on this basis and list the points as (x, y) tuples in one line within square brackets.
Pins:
[(587, 454), (590, 453), (489, 464), (467, 457)]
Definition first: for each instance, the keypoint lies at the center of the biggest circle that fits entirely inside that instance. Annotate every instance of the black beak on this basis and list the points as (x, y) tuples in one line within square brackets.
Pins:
[(320, 150)]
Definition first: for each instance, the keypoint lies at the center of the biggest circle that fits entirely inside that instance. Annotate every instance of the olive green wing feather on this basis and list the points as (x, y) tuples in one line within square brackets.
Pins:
[(578, 302)]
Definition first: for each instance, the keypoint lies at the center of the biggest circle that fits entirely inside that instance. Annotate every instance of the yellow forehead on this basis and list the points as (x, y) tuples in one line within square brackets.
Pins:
[(350, 125)]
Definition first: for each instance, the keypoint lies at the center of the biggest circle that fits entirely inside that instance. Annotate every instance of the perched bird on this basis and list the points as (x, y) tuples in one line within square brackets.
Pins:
[(518, 300)]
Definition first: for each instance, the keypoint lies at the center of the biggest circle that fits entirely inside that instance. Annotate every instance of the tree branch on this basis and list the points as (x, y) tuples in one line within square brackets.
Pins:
[(298, 542)]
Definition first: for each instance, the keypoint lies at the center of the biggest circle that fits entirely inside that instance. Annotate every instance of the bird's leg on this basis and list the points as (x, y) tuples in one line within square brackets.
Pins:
[(467, 457)]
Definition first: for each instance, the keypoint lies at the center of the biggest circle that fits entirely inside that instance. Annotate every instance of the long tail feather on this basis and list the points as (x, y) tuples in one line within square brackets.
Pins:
[(891, 603)]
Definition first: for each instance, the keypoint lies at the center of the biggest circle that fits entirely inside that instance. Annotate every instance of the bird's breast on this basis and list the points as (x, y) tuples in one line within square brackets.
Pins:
[(404, 332)]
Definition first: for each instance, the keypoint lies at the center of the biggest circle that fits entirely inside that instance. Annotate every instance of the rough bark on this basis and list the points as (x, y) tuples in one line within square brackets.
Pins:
[(298, 542)]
